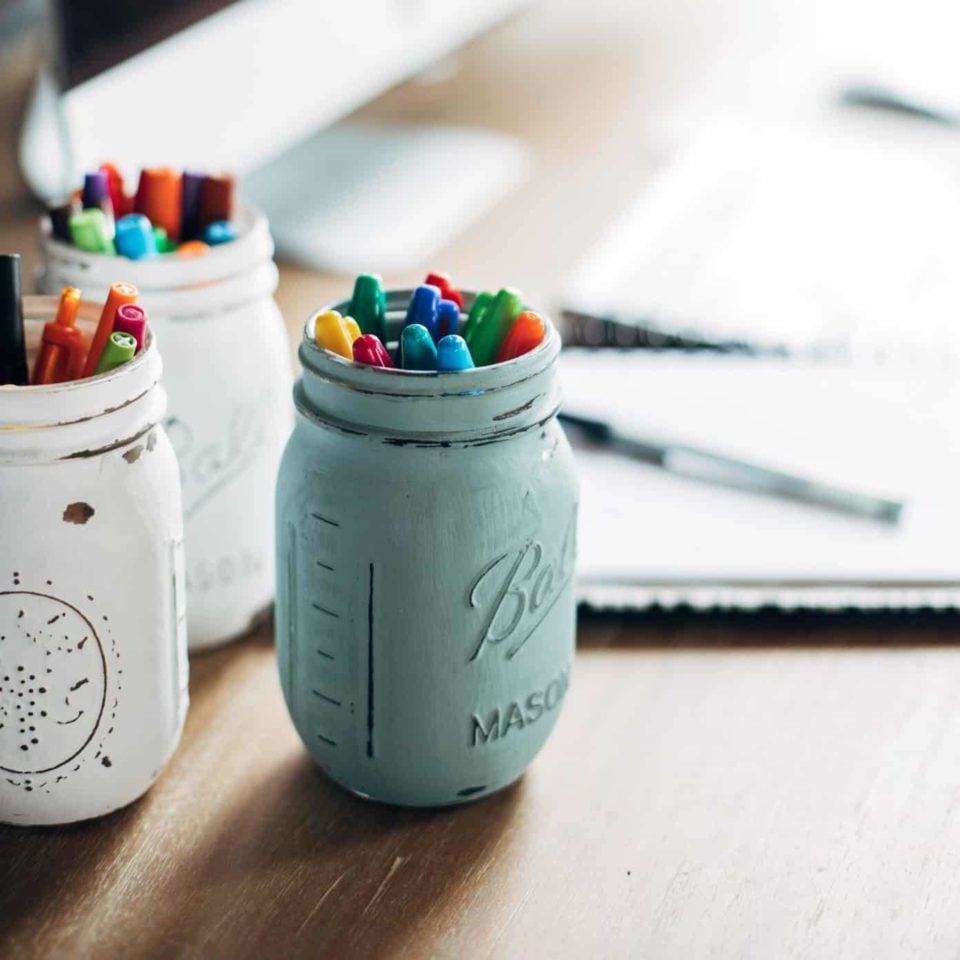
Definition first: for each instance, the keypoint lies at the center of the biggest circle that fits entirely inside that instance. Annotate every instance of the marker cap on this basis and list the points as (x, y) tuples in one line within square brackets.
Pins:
[(190, 205), (369, 350), (220, 231), (96, 190), (216, 198), (417, 349), (134, 237), (453, 354), (120, 348), (132, 318), (158, 198)]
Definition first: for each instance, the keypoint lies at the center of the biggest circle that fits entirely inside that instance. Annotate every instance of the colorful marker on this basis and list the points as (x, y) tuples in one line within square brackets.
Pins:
[(220, 231), (443, 283), (63, 348), (448, 318), (216, 199), (417, 349), (134, 237), (120, 293), (453, 355), (158, 198), (120, 348), (132, 318), (91, 231), (118, 198), (331, 332), (486, 338), (192, 248), (527, 332), (96, 194), (480, 303), (163, 242), (369, 350), (423, 309), (60, 214), (369, 305), (13, 352), (190, 187)]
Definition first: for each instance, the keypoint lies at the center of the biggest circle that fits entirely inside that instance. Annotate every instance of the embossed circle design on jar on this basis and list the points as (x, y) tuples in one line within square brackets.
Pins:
[(53, 682)]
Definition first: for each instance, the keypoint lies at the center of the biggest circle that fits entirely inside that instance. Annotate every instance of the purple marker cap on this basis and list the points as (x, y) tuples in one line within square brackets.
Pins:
[(190, 184), (96, 190), (131, 318)]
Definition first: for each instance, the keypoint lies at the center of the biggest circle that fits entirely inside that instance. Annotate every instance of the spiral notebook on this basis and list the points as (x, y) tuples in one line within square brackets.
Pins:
[(651, 538)]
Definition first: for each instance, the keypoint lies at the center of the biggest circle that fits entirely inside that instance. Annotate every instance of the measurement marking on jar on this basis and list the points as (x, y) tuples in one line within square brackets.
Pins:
[(317, 516), (323, 653), (370, 667), (326, 740), (323, 696), (326, 566), (329, 613)]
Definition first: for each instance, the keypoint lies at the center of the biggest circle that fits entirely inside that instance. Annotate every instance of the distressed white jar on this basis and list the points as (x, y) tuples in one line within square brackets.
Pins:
[(93, 662), (425, 550), (227, 373)]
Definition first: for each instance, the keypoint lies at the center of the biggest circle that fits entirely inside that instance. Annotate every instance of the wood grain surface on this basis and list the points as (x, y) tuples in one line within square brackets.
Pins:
[(757, 788)]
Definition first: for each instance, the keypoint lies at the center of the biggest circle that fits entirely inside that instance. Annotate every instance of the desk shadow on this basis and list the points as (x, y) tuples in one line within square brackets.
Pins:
[(303, 868), (767, 628)]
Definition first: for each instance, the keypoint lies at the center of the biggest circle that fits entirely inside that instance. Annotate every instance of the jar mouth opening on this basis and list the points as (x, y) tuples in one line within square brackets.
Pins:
[(61, 404), (168, 271), (419, 383)]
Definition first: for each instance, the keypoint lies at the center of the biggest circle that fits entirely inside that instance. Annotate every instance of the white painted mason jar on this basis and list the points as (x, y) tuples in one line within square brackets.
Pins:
[(227, 373), (426, 531), (93, 661)]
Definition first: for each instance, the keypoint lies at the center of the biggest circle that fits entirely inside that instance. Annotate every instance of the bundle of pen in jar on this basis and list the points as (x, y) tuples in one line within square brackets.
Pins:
[(170, 213), (435, 336), (66, 353)]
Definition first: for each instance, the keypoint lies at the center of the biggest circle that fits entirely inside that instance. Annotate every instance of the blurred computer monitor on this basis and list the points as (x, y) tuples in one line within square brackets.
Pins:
[(236, 84)]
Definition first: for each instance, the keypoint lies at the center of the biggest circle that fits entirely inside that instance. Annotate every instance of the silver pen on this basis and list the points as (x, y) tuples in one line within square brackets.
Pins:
[(711, 467)]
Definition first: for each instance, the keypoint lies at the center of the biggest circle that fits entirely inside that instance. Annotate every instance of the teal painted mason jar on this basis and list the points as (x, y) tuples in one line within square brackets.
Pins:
[(426, 537)]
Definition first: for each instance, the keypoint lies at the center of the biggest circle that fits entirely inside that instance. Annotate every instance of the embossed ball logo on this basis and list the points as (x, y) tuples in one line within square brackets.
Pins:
[(52, 682)]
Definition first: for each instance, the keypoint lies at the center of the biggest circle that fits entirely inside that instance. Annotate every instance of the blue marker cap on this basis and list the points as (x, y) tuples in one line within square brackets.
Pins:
[(220, 231), (448, 317), (417, 349), (453, 354), (134, 237), (423, 309)]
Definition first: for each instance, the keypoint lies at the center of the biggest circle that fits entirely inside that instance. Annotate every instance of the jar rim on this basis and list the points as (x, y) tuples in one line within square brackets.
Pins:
[(43, 405), (423, 383)]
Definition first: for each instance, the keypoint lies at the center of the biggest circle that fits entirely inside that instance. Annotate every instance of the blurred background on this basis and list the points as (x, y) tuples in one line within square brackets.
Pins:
[(743, 216)]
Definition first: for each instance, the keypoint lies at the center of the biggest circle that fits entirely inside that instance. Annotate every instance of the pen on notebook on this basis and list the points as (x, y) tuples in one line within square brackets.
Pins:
[(712, 467), (13, 352)]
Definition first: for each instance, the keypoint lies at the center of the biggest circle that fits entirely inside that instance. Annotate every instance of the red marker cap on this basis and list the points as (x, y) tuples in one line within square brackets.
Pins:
[(369, 350), (216, 199), (447, 292)]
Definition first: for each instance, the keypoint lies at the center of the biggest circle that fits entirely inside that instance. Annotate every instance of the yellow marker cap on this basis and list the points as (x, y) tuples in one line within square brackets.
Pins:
[(353, 328), (331, 332)]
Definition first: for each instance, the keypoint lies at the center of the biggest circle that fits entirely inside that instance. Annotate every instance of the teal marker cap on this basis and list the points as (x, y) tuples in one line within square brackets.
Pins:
[(120, 348), (369, 305), (453, 354), (417, 349), (90, 231)]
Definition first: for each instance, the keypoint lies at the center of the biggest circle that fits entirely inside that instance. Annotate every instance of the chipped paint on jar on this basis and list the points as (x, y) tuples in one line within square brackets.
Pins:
[(227, 373), (93, 666), (426, 530)]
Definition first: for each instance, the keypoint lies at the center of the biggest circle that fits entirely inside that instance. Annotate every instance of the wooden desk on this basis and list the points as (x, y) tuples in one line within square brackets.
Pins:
[(745, 788)]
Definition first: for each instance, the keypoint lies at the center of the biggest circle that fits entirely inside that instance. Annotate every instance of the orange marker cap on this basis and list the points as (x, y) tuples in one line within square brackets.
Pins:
[(192, 248), (527, 332), (120, 293), (53, 363), (158, 199)]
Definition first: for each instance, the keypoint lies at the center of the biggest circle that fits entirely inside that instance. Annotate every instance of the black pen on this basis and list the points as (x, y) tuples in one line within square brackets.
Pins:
[(13, 351), (717, 468)]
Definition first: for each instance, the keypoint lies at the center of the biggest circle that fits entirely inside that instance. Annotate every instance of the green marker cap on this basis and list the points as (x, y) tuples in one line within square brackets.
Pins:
[(164, 243), (369, 305), (91, 231), (485, 338), (119, 349), (480, 303)]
